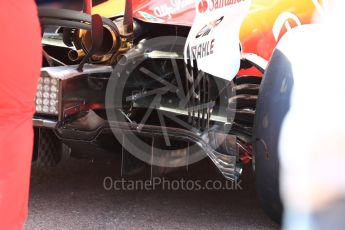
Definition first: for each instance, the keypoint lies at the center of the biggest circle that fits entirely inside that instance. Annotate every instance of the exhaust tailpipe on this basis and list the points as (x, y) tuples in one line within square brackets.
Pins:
[(76, 55)]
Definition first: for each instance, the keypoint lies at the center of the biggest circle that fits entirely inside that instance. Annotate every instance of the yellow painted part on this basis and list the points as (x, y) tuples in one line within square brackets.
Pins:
[(263, 13), (110, 8)]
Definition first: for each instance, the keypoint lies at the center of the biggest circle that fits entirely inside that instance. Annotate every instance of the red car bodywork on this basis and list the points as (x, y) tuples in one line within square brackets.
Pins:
[(266, 21)]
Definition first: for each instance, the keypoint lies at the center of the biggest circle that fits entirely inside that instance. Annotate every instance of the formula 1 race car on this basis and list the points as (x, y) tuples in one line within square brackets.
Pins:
[(171, 81)]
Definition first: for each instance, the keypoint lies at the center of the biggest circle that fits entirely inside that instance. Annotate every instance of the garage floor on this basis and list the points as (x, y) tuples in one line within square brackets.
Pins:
[(71, 196)]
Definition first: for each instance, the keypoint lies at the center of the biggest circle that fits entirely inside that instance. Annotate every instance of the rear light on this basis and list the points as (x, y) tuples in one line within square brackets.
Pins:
[(63, 92), (47, 96)]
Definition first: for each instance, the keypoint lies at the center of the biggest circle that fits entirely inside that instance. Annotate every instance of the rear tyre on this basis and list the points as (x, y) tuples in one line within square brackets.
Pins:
[(272, 107)]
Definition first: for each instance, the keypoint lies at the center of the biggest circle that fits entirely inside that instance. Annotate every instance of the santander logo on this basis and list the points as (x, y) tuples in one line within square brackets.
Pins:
[(216, 4), (203, 6)]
